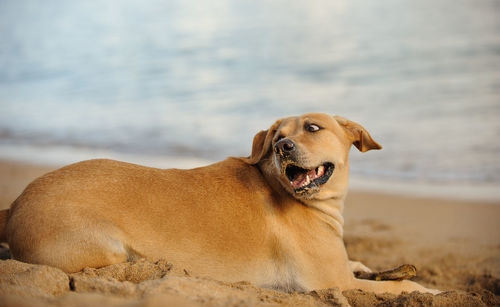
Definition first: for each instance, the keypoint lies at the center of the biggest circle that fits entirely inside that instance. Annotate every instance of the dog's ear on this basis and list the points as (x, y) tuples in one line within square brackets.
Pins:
[(261, 144), (358, 134)]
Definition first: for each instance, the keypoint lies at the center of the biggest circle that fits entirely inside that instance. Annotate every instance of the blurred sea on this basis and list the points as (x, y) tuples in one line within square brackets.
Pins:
[(183, 83)]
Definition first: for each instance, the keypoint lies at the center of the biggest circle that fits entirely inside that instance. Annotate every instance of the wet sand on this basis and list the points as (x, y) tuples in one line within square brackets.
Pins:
[(455, 246)]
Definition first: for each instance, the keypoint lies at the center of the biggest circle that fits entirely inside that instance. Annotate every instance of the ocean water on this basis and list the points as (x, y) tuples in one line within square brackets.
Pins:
[(190, 82)]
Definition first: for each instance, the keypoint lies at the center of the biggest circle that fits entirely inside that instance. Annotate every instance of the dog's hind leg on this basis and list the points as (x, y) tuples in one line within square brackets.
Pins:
[(74, 250)]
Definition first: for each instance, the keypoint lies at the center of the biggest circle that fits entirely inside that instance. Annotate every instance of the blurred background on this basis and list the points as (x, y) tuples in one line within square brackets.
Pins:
[(184, 83)]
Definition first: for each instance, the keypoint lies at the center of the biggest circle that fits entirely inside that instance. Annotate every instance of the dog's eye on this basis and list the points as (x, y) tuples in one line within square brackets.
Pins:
[(313, 128)]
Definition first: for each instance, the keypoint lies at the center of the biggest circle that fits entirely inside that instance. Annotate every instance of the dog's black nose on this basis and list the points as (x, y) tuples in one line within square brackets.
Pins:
[(285, 146)]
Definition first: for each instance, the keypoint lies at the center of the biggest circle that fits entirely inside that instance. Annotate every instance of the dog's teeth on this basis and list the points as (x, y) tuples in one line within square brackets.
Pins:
[(320, 171), (308, 180)]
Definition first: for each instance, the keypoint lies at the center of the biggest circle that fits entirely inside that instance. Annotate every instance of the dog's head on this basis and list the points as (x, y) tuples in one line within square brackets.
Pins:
[(308, 154)]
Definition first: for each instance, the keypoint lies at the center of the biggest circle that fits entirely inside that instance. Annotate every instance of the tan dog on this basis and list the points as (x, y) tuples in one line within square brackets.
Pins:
[(274, 218)]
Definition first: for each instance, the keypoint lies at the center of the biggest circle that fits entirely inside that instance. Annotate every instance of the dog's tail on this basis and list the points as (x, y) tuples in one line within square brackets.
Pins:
[(4, 216)]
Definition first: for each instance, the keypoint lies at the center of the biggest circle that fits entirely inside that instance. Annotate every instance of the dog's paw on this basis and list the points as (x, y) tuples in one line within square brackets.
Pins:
[(357, 266)]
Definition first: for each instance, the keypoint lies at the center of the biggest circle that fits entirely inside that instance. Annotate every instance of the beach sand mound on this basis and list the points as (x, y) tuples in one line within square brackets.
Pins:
[(147, 283), (139, 283)]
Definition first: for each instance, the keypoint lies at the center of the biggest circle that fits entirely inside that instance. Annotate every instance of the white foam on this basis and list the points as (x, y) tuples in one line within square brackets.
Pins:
[(483, 192)]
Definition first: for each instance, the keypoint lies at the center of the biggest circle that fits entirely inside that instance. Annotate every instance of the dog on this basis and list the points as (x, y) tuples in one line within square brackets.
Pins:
[(273, 218)]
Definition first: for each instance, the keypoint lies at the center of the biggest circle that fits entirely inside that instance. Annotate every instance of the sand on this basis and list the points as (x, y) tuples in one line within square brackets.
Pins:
[(455, 246)]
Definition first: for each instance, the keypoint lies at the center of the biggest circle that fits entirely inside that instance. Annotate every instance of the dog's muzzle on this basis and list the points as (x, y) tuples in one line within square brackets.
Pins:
[(302, 180)]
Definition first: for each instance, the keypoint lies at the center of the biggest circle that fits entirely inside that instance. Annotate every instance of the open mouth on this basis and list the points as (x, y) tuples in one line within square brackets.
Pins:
[(303, 179)]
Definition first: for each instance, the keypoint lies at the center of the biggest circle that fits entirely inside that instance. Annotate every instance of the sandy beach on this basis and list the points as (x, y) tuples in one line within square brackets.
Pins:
[(455, 246)]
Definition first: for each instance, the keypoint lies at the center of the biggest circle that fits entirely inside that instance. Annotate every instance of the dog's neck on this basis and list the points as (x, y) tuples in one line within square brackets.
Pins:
[(329, 208), (330, 212)]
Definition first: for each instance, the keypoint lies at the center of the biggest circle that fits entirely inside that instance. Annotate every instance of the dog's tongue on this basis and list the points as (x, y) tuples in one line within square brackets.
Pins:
[(301, 179)]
